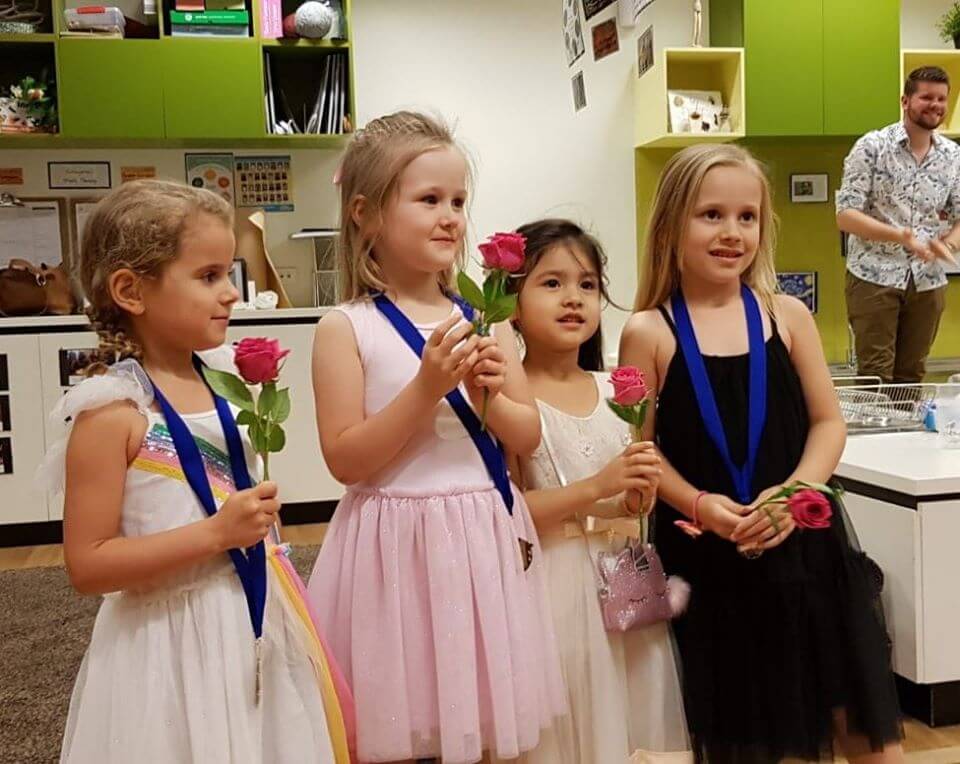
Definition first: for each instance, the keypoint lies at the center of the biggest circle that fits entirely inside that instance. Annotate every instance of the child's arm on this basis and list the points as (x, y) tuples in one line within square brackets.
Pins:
[(828, 432), (357, 446), (511, 412), (98, 558), (639, 343), (601, 494)]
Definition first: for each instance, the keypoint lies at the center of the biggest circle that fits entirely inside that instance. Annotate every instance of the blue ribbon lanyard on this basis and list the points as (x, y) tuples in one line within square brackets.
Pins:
[(489, 449), (707, 402), (252, 566)]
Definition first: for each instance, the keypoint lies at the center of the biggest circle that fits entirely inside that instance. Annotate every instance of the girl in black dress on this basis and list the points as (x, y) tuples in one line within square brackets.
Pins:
[(785, 653)]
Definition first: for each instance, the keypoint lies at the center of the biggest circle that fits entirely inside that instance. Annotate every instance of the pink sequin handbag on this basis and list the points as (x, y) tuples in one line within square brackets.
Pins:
[(633, 589)]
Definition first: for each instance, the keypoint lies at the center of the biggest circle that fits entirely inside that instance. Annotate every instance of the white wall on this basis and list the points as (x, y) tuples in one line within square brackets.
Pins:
[(918, 24), (497, 70)]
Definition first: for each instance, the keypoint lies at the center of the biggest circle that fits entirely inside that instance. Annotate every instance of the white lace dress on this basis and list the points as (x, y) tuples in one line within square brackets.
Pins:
[(623, 689), (169, 675)]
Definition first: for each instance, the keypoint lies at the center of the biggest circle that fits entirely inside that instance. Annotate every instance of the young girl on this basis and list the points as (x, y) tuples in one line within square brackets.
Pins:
[(195, 656), (428, 581), (623, 689), (784, 647)]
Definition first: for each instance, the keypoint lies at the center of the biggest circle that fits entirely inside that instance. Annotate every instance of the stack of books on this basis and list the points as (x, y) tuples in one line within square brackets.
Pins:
[(205, 18)]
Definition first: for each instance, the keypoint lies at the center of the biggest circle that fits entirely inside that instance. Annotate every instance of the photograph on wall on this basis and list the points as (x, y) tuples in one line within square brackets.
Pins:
[(4, 374), (579, 92), (605, 39), (806, 189), (645, 51), (4, 413), (592, 7), (572, 32), (265, 181), (213, 172), (802, 285), (630, 11), (6, 457), (72, 363)]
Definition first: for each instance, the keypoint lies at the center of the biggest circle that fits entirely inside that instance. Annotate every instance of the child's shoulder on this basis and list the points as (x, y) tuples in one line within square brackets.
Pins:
[(646, 326)]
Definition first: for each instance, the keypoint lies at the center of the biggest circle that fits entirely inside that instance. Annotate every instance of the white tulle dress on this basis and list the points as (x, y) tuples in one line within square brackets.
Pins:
[(169, 675)]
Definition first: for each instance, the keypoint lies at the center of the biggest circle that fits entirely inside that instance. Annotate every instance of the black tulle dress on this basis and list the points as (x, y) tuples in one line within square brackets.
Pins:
[(772, 647)]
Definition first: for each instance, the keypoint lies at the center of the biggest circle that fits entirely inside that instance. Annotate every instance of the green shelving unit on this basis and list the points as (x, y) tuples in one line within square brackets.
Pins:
[(167, 91)]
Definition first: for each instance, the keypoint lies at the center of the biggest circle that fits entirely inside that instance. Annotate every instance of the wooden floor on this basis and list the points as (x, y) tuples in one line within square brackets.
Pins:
[(923, 744)]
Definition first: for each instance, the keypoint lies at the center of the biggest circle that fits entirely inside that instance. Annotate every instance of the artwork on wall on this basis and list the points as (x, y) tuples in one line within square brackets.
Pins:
[(579, 92), (592, 7), (645, 51), (807, 189), (213, 172), (697, 111), (606, 41), (572, 32), (70, 175), (802, 285)]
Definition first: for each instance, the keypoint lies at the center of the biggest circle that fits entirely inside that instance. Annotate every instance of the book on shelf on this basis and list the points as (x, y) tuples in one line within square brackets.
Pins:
[(217, 23), (188, 5)]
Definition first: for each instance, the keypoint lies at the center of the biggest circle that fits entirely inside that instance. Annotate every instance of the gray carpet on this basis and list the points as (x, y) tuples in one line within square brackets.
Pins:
[(44, 629)]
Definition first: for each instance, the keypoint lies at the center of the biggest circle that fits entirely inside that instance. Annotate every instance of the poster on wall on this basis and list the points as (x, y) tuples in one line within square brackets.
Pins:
[(802, 285), (645, 51), (579, 92), (630, 11), (592, 7), (572, 32), (265, 181), (605, 39), (142, 172), (213, 172), (68, 175)]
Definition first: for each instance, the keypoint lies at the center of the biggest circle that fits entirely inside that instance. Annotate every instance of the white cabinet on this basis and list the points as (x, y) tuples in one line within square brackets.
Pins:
[(21, 435)]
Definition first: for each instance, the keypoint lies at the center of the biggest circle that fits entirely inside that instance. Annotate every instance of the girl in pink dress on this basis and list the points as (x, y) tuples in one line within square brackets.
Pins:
[(429, 581)]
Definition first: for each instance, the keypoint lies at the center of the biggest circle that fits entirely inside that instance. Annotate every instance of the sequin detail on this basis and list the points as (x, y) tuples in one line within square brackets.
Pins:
[(159, 456)]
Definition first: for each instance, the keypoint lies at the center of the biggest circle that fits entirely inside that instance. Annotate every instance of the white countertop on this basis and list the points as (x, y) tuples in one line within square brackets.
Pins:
[(908, 462), (30, 322)]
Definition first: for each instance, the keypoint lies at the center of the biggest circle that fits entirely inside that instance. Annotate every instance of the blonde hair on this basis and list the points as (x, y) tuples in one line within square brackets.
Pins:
[(137, 226), (370, 169), (677, 192)]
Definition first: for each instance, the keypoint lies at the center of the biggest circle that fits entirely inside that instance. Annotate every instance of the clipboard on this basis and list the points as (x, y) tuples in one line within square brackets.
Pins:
[(80, 209), (35, 232)]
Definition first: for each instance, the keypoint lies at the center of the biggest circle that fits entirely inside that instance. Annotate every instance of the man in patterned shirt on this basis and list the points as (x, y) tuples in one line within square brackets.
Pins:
[(899, 203)]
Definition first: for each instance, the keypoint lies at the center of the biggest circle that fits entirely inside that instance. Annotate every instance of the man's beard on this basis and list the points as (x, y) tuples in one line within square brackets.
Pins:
[(923, 120)]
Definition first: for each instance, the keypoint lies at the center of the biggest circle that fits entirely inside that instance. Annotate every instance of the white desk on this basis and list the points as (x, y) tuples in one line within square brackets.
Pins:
[(903, 497)]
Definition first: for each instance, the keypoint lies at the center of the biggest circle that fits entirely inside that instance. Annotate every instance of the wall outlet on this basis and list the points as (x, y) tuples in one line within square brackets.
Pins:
[(288, 274)]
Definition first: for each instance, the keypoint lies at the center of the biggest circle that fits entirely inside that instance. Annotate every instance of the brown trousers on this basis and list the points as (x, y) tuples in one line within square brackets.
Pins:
[(893, 328)]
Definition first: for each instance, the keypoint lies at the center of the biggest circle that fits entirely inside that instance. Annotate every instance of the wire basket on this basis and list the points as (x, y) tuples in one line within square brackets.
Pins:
[(885, 407)]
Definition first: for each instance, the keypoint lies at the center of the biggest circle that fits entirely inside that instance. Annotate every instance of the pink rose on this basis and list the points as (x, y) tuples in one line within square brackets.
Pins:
[(504, 251), (629, 386), (810, 509), (258, 359)]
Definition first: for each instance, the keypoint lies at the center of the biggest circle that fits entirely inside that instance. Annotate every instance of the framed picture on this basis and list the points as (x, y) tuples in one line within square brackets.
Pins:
[(802, 285), (72, 175), (238, 276), (645, 51), (572, 32), (605, 39), (579, 92), (592, 7), (809, 189)]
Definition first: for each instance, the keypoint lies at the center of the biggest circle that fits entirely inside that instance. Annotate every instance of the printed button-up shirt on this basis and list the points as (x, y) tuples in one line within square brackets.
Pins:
[(882, 178)]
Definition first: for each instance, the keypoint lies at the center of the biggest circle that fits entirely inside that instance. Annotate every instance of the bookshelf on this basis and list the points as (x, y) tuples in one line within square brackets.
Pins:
[(170, 91)]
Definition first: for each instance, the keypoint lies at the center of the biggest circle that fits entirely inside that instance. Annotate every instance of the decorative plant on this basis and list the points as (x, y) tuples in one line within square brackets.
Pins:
[(949, 24), (35, 103)]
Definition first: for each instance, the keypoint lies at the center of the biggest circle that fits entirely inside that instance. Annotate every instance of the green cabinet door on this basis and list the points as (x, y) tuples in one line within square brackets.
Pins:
[(213, 89), (110, 88), (783, 41), (861, 55)]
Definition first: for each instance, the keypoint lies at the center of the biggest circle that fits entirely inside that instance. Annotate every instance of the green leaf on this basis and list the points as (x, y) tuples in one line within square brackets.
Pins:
[(502, 309), (491, 288), (470, 291), (246, 418), (623, 412), (267, 401), (255, 433), (229, 386), (640, 413), (282, 410), (278, 439), (825, 489)]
